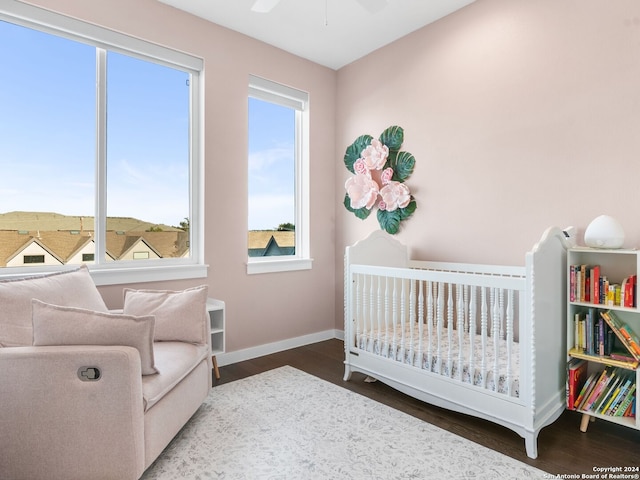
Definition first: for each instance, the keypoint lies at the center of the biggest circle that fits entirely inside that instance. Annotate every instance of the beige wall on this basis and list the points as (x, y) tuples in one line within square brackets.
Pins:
[(259, 308), (521, 115)]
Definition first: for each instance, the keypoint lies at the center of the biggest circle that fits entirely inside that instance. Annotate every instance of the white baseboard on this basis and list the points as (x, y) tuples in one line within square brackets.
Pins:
[(269, 348)]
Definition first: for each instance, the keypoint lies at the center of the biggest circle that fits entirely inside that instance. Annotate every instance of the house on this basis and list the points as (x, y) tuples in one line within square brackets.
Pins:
[(43, 238), (520, 115), (264, 243)]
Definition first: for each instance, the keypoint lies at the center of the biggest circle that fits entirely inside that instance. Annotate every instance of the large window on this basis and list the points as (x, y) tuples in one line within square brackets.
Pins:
[(278, 236), (100, 156)]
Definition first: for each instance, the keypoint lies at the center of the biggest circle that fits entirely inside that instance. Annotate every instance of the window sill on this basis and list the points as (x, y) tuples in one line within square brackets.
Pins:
[(124, 275), (272, 265), (118, 276)]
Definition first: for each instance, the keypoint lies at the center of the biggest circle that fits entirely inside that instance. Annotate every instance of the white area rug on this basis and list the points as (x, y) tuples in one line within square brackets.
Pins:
[(287, 425)]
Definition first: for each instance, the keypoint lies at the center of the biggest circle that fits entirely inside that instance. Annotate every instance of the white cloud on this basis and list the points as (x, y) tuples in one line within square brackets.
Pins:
[(269, 211)]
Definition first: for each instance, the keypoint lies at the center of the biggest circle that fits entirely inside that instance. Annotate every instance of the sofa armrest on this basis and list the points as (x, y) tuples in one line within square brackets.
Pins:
[(56, 425)]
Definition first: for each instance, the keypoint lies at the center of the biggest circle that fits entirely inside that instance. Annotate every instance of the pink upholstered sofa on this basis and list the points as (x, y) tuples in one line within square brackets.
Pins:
[(87, 393)]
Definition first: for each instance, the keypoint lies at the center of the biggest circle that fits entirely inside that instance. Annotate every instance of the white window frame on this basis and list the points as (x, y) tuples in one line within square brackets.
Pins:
[(277, 93), (109, 273)]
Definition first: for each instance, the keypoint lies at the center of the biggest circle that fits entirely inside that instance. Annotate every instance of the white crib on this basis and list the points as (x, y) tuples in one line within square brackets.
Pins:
[(483, 340)]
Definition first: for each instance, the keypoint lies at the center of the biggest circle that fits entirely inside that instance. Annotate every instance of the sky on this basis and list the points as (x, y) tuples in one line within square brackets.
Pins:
[(47, 136), (271, 165)]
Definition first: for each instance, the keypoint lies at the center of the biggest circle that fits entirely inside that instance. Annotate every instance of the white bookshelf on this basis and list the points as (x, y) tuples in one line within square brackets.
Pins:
[(615, 265)]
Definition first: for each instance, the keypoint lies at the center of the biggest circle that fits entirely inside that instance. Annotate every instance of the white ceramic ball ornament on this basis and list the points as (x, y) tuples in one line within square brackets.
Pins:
[(604, 232)]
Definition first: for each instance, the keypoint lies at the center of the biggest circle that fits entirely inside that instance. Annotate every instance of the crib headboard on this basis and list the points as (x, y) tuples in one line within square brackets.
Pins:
[(378, 249), (547, 285)]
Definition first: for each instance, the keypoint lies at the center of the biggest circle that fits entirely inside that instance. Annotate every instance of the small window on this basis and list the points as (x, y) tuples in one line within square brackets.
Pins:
[(278, 216), (30, 259), (88, 257), (141, 255)]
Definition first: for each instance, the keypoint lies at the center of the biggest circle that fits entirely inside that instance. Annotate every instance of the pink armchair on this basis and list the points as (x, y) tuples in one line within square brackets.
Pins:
[(90, 394)]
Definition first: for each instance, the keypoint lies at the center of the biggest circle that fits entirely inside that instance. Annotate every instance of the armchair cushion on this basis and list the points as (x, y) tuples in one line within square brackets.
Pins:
[(69, 288), (174, 361), (58, 325), (179, 314)]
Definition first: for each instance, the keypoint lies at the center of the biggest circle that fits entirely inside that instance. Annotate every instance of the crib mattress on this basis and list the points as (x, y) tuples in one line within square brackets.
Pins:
[(381, 342)]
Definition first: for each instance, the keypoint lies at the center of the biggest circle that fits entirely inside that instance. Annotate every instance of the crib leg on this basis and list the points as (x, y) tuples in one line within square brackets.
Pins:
[(531, 444), (347, 372)]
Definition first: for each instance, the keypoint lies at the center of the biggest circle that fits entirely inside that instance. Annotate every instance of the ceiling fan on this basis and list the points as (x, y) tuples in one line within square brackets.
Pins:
[(265, 6)]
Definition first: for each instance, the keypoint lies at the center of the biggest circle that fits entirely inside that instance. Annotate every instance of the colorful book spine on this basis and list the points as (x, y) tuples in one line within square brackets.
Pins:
[(587, 284), (600, 391), (604, 398), (586, 390), (597, 389), (576, 376), (620, 395), (628, 404), (623, 335), (632, 338), (594, 284)]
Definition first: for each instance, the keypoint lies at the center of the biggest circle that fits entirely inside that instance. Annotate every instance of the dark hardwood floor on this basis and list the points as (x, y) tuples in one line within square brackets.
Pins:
[(562, 448)]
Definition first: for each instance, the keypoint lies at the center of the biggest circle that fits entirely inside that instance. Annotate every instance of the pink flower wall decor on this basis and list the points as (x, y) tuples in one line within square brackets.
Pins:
[(379, 170)]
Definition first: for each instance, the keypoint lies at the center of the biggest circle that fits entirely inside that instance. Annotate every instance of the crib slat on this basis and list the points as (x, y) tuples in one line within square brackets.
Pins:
[(483, 333), (412, 320), (460, 314), (394, 318), (430, 325), (472, 333), (379, 313), (403, 321), (371, 311), (502, 314), (495, 331), (439, 320), (358, 313), (387, 345), (421, 321), (509, 340), (362, 293)]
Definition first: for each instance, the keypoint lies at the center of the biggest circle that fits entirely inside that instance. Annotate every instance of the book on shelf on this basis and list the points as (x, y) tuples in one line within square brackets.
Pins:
[(576, 377), (587, 284), (625, 334), (601, 389), (619, 394), (622, 355), (627, 292), (632, 338), (585, 390), (610, 392), (596, 390), (593, 336), (594, 284), (627, 407)]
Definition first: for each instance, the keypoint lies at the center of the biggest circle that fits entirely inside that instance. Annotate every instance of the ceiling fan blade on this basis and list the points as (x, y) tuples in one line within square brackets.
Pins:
[(264, 6), (373, 6)]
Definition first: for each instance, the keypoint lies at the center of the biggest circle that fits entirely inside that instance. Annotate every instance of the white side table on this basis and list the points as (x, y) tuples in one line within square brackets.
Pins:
[(215, 309)]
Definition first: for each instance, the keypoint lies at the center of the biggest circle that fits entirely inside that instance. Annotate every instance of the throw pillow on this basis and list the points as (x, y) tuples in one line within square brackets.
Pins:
[(59, 325), (70, 288), (180, 315)]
